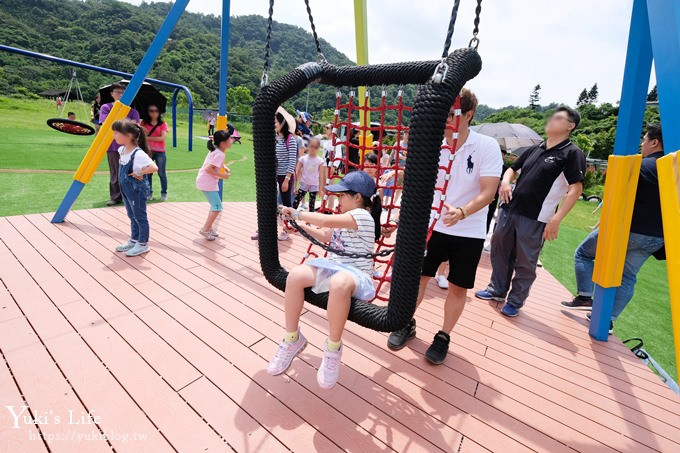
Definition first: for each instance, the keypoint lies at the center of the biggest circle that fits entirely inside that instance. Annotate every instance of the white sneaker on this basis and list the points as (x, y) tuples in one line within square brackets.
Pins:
[(285, 355), (284, 236), (209, 235), (442, 282), (329, 370), (138, 249), (129, 245)]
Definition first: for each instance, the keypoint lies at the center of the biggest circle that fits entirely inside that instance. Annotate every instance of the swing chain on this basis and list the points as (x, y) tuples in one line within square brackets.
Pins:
[(320, 56), (474, 42), (449, 33), (267, 47), (328, 248)]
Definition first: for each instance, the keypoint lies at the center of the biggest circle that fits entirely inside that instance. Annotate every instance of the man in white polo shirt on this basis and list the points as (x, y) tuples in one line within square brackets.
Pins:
[(458, 236)]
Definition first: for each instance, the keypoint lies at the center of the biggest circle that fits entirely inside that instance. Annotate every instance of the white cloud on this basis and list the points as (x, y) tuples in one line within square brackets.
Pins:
[(564, 46)]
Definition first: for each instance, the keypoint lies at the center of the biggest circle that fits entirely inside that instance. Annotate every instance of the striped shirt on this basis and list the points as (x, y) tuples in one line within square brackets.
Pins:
[(356, 241), (286, 155)]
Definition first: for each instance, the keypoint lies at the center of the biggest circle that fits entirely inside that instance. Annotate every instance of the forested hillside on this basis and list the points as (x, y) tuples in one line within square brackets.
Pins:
[(115, 35)]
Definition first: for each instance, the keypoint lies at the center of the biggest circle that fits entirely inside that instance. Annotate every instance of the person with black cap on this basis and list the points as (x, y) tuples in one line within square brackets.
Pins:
[(353, 231)]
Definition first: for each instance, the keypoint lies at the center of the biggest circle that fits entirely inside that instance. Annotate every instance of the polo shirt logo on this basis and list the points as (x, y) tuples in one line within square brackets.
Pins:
[(470, 164), (550, 160)]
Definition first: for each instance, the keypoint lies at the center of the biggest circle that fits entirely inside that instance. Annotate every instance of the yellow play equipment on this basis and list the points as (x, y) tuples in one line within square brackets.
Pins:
[(669, 188)]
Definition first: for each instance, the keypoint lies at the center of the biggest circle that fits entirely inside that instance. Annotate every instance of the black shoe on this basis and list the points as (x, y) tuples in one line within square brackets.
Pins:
[(439, 348), (611, 323), (579, 303), (398, 339)]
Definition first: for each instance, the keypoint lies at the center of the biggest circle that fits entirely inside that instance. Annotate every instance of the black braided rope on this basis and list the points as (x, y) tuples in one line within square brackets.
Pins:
[(478, 12), (267, 42), (428, 122), (311, 22), (452, 24)]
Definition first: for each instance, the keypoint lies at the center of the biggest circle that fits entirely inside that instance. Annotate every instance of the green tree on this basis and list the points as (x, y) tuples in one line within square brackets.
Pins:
[(240, 100), (593, 94), (327, 116), (583, 142), (653, 95), (582, 98), (535, 97)]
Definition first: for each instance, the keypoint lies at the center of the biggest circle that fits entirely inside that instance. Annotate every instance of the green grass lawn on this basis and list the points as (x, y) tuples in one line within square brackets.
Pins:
[(27, 143)]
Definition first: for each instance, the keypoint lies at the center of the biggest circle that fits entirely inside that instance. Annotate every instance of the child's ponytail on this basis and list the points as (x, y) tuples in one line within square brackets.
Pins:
[(141, 140), (218, 138), (376, 213), (375, 204)]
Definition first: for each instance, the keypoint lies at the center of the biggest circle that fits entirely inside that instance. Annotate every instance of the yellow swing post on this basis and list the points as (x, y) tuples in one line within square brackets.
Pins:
[(361, 33)]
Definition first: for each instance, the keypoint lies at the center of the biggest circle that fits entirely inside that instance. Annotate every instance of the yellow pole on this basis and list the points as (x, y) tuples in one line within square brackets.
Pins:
[(669, 189), (361, 32)]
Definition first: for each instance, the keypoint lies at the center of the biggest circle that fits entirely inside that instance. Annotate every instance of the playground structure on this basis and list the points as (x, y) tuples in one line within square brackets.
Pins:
[(660, 42), (176, 87), (199, 316), (654, 36)]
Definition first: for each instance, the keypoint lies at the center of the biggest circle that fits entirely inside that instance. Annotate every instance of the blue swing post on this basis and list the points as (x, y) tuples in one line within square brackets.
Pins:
[(654, 36), (224, 74)]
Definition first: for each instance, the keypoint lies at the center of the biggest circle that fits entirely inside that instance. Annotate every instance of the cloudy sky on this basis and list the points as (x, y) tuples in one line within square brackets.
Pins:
[(563, 45)]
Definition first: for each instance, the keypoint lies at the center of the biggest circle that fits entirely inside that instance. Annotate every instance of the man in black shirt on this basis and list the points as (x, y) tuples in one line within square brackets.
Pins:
[(646, 234), (551, 172)]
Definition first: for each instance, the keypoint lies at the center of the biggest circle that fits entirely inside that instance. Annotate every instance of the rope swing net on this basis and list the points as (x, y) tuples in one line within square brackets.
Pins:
[(414, 178)]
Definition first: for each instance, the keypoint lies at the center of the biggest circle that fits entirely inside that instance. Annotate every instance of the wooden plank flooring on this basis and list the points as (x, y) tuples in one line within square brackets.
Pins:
[(168, 352)]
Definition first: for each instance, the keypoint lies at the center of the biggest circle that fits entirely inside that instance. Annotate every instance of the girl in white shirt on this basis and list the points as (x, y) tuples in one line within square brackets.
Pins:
[(135, 162)]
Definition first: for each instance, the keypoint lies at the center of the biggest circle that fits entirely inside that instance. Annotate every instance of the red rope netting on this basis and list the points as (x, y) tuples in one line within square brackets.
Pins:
[(388, 172)]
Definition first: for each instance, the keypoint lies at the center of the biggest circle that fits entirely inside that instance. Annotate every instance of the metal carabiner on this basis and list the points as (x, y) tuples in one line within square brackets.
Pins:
[(440, 72)]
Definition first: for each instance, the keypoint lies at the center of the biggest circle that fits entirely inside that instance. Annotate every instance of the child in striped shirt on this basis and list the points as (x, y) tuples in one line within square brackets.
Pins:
[(353, 231)]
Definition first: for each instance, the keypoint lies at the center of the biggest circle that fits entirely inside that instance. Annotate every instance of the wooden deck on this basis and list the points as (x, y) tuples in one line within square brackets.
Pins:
[(169, 351)]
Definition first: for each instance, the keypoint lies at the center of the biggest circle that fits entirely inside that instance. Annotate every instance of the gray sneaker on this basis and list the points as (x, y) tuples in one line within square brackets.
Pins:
[(129, 245), (138, 249), (164, 197), (209, 235)]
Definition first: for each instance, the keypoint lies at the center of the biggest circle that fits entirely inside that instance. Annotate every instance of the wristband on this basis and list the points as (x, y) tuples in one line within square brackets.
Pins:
[(463, 211), (296, 215), (138, 173)]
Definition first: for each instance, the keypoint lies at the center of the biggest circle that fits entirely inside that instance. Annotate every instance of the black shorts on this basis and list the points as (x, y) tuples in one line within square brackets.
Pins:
[(462, 253)]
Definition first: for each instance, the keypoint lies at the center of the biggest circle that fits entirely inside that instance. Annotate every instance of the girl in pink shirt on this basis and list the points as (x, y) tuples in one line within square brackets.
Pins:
[(211, 172)]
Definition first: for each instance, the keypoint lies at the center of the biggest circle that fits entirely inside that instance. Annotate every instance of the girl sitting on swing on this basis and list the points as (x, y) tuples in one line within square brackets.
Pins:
[(354, 230)]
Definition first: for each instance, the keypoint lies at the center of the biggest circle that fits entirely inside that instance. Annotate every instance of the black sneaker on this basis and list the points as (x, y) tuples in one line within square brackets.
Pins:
[(398, 339), (439, 348), (579, 303), (611, 323)]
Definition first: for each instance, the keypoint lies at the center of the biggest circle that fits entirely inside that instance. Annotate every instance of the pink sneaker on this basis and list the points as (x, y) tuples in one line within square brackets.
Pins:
[(285, 355), (329, 370)]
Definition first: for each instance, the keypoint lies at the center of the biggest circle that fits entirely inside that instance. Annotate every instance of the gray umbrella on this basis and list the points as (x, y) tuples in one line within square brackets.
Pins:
[(509, 136)]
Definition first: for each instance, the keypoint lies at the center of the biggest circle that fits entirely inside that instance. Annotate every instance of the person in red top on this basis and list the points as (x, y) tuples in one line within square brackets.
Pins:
[(156, 131)]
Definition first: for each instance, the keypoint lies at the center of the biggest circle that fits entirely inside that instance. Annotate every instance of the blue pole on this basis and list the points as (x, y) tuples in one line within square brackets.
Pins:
[(174, 118), (190, 99), (224, 58), (130, 92), (154, 49), (628, 128), (664, 23), (224, 66)]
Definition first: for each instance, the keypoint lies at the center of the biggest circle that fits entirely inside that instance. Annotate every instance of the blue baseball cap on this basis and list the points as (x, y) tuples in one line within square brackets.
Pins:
[(356, 181), (304, 115)]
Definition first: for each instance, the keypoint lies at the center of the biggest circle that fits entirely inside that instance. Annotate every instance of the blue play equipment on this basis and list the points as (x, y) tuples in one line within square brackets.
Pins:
[(177, 87)]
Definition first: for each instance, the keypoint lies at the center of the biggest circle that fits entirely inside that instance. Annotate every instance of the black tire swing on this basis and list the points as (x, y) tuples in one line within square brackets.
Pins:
[(436, 95), (66, 125)]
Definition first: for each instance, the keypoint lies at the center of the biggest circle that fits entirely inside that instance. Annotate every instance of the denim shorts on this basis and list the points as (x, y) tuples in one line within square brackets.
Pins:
[(214, 200)]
